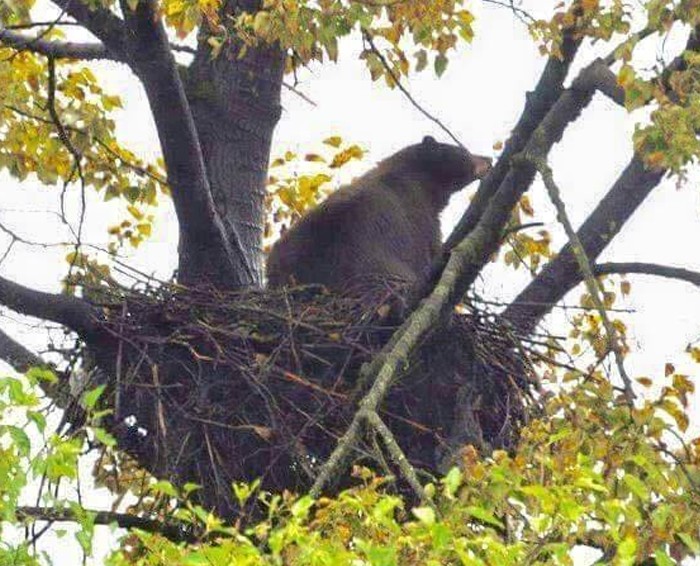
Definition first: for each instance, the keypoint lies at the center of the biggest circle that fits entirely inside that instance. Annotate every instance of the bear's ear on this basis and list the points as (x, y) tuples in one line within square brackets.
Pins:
[(429, 140)]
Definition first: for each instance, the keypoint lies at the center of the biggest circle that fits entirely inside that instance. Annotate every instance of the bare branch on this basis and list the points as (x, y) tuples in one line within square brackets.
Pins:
[(561, 274), (86, 51), (397, 81), (171, 530), (669, 272), (70, 311), (19, 357)]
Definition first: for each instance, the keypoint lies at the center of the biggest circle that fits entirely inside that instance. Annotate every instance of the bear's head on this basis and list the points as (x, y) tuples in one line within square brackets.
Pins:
[(444, 167)]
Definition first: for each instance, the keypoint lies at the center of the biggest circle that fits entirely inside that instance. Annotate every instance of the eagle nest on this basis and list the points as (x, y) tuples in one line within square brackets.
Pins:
[(214, 388)]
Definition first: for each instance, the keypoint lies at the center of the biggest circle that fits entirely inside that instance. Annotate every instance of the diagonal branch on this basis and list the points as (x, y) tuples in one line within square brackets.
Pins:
[(562, 274), (70, 311), (100, 22), (204, 245), (538, 103), (522, 172), (584, 266), (667, 271), (19, 357), (86, 51), (629, 191)]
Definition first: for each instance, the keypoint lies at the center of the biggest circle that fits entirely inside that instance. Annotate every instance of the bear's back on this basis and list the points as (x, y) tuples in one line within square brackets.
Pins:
[(376, 226)]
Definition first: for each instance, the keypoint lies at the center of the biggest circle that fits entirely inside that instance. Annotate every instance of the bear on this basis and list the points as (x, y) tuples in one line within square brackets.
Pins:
[(384, 224)]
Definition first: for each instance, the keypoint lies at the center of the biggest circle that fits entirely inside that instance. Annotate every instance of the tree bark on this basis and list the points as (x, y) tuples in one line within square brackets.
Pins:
[(236, 106)]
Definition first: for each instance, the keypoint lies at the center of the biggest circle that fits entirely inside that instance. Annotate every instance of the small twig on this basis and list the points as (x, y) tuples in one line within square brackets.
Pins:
[(77, 157), (370, 41), (585, 266), (522, 15), (293, 89), (31, 25)]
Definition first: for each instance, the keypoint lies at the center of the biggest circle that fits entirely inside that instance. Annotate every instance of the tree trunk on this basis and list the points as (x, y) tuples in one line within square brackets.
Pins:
[(236, 106)]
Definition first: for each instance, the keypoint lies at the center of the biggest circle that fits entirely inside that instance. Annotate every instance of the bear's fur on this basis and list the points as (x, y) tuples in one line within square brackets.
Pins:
[(385, 223)]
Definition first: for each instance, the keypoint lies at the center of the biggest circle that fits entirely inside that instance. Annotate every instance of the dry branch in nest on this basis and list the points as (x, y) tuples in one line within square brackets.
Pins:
[(214, 387)]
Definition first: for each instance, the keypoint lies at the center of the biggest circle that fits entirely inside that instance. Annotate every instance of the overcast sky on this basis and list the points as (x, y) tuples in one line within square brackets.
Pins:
[(479, 98)]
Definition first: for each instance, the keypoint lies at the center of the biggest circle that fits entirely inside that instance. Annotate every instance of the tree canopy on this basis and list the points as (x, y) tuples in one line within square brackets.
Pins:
[(234, 424)]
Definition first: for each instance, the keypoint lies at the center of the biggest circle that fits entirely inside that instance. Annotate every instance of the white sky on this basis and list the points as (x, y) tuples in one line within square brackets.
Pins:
[(479, 98)]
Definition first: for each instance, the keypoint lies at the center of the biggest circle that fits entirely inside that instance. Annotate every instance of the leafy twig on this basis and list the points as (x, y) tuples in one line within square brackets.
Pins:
[(585, 266)]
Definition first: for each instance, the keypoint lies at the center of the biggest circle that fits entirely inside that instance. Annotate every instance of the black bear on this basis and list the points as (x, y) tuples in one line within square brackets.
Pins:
[(385, 223)]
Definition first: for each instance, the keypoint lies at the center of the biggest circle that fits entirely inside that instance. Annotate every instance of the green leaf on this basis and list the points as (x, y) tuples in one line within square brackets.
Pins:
[(626, 551), (301, 507), (485, 516), (636, 486), (452, 481), (425, 515), (663, 559), (690, 542), (91, 397), (20, 440), (37, 374), (104, 437), (38, 419), (164, 487), (440, 65)]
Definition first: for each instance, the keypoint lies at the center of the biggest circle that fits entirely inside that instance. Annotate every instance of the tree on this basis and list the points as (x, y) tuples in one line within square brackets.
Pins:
[(157, 355)]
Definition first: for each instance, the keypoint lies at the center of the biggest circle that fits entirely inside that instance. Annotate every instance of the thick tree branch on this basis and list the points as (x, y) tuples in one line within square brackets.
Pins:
[(19, 357), (203, 241), (100, 22), (667, 271), (538, 103), (70, 311), (173, 531), (522, 172), (562, 274), (55, 49)]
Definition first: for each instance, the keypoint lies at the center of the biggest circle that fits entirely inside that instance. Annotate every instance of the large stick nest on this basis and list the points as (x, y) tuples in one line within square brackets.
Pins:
[(214, 387)]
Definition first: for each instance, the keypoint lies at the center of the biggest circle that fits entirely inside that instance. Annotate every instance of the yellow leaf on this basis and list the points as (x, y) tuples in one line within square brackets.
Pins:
[(344, 156), (694, 353), (135, 212), (333, 141)]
